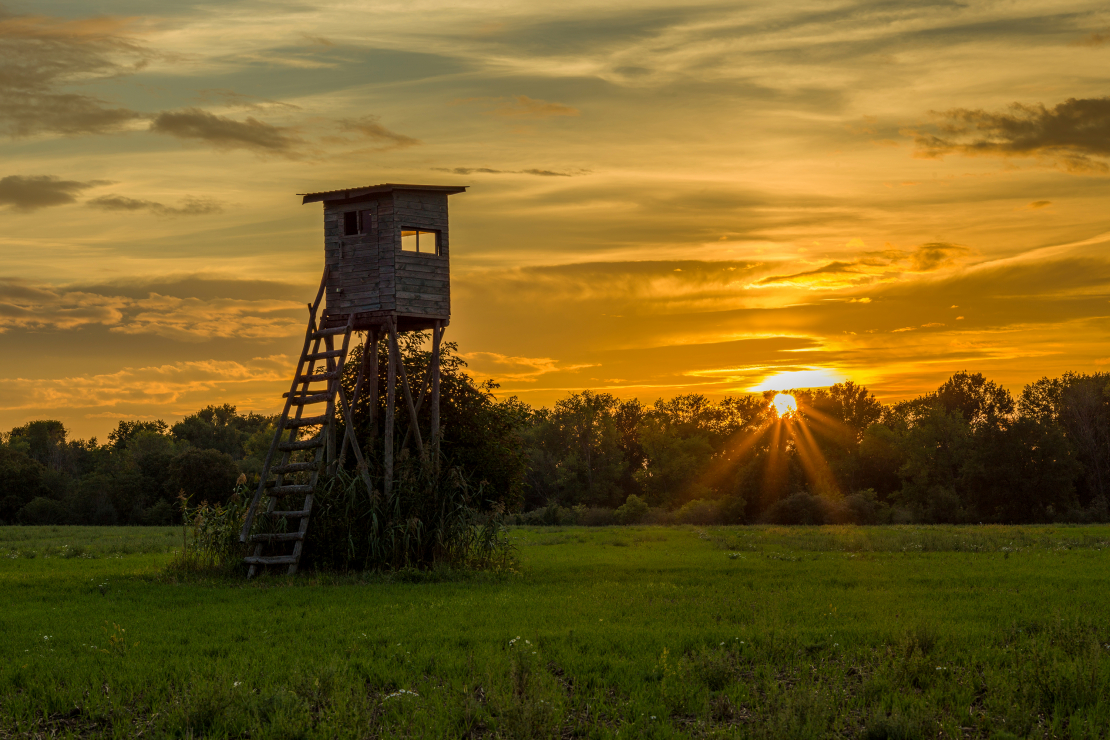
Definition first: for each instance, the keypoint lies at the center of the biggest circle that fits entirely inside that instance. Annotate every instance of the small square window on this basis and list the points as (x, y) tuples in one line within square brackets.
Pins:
[(419, 241), (351, 223), (357, 222)]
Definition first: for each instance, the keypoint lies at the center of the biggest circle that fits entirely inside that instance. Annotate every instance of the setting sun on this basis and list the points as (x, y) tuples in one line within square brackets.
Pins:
[(785, 404)]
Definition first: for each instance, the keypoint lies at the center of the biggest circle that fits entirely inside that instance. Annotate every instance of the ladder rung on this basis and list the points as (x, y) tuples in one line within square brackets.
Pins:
[(289, 514), (301, 444), (306, 421), (277, 537), (318, 377), (292, 467), (329, 332), (324, 355), (299, 400), (276, 560), (287, 490)]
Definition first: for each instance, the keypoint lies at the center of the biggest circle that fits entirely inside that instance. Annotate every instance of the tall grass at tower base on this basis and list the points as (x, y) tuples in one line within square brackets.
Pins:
[(432, 518)]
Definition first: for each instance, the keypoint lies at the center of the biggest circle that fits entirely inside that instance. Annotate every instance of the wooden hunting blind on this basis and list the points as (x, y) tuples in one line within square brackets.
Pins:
[(386, 271), (388, 250)]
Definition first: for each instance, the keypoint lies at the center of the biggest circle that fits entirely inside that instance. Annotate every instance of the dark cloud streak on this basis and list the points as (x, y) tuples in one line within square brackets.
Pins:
[(490, 171), (1075, 132), (227, 133), (190, 206), (31, 192), (370, 128)]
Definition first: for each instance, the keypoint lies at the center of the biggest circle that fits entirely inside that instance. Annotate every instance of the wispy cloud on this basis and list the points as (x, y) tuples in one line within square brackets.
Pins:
[(42, 55), (233, 99), (870, 267), (1093, 40), (25, 305), (520, 369), (160, 387), (521, 107)]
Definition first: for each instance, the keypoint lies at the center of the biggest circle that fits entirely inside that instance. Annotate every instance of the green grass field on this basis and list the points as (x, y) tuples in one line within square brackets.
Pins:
[(886, 632)]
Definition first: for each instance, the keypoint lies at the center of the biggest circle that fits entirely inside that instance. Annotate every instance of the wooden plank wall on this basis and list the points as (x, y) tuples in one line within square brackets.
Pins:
[(423, 280), (362, 265)]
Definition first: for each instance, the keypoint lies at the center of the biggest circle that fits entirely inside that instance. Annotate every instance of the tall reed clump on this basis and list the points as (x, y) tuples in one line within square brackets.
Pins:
[(210, 533), (431, 519)]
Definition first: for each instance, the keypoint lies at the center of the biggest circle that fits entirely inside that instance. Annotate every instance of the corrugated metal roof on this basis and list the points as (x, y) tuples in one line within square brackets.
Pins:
[(348, 193)]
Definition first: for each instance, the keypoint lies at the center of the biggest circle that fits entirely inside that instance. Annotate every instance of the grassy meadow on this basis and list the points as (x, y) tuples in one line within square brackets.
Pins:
[(872, 632)]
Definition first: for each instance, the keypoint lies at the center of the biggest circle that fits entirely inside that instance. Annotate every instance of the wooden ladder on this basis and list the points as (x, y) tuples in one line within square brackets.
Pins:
[(319, 347)]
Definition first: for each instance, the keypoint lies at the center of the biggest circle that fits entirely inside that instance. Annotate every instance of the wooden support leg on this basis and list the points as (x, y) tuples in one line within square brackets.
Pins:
[(413, 422), (425, 384), (363, 468), (374, 383), (437, 336), (390, 402), (348, 418)]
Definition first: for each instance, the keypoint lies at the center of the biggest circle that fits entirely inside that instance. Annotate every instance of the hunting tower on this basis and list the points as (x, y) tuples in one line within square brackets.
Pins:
[(387, 248), (386, 271)]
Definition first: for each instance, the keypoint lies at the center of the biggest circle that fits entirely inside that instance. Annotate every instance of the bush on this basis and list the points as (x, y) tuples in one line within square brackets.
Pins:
[(204, 475), (42, 510), (596, 516), (698, 511), (732, 510), (632, 511), (943, 506), (160, 514), (799, 508), (861, 507), (551, 515), (658, 515)]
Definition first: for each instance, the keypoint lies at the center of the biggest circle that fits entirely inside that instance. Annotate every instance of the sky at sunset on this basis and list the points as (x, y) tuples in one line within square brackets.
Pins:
[(663, 199)]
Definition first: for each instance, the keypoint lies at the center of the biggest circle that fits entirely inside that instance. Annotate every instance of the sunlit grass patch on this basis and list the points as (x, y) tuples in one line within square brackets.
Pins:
[(687, 631)]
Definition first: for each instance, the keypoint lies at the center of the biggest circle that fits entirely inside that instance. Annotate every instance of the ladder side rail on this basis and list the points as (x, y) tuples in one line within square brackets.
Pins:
[(294, 432), (320, 293), (284, 461), (281, 423), (302, 528), (312, 343), (302, 393)]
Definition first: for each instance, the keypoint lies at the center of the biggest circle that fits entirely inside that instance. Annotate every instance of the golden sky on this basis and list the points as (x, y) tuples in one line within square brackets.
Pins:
[(711, 198)]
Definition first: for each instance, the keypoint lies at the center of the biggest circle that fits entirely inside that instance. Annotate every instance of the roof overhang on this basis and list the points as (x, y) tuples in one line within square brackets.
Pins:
[(356, 193)]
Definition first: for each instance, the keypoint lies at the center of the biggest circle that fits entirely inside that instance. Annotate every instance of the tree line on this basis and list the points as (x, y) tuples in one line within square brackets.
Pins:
[(966, 452)]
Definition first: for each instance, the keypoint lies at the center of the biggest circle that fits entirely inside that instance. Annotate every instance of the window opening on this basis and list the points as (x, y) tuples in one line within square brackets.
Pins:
[(357, 222), (421, 242)]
